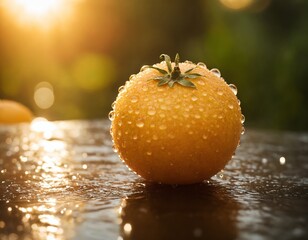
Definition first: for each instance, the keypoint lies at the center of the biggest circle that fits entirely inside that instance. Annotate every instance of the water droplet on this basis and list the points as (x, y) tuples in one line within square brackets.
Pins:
[(114, 148), (149, 153), (216, 72), (220, 93), (144, 68), (145, 88), (233, 88), (190, 132), (162, 115), (201, 64), (197, 116), (120, 123), (111, 115), (152, 125), (243, 130), (282, 160), (221, 175), (204, 137), (230, 106), (242, 119), (134, 99), (204, 94), (201, 82), (162, 127), (113, 105), (151, 111), (163, 107), (201, 109), (135, 137), (239, 102), (130, 110), (160, 100), (194, 98), (137, 112), (155, 137), (220, 116), (121, 88), (140, 124), (132, 76), (170, 135)]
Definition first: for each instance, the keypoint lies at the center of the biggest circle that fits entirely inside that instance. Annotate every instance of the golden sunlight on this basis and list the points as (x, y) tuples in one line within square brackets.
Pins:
[(237, 4), (40, 12)]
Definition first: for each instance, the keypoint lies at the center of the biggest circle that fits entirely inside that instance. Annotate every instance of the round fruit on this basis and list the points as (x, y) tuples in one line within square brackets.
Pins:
[(14, 112), (181, 130)]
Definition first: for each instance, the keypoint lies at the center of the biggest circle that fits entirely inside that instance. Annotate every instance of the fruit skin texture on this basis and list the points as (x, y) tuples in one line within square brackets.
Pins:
[(177, 135), (13, 112)]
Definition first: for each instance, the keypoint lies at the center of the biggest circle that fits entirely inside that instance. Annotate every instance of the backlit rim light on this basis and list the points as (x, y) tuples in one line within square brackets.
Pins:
[(236, 4)]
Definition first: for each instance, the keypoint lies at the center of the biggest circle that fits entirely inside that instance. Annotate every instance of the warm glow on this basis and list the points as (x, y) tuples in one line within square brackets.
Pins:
[(237, 4), (42, 12), (43, 95)]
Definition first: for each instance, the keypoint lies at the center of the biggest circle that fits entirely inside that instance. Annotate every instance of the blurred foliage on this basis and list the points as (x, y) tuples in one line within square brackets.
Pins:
[(262, 49)]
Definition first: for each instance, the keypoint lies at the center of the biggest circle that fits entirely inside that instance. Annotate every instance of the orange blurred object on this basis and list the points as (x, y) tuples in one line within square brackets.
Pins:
[(14, 112)]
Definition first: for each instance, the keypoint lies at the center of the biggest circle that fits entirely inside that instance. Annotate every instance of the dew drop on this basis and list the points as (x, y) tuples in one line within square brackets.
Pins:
[(132, 76), (137, 112), (145, 88), (134, 99), (149, 153), (162, 127), (197, 116), (111, 115), (201, 82), (194, 98), (220, 116), (233, 88), (121, 88), (120, 123), (171, 136), (135, 137), (204, 94), (155, 137), (243, 130), (151, 111), (114, 148), (239, 102), (242, 119), (201, 64), (216, 72), (201, 109), (220, 93), (163, 107), (140, 124), (230, 106), (204, 137), (190, 132), (162, 115), (144, 68), (282, 160), (113, 105)]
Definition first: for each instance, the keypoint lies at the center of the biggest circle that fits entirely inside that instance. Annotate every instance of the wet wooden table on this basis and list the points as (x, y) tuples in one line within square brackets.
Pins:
[(61, 180)]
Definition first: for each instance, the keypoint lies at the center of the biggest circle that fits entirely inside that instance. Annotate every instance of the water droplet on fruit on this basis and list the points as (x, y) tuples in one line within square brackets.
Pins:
[(114, 148), (216, 72), (140, 124), (163, 107), (162, 115), (144, 68), (204, 94), (197, 116), (220, 116), (130, 110), (230, 106), (194, 98), (120, 123), (113, 105), (151, 111), (111, 115), (201, 64), (145, 88), (190, 132), (170, 135), (204, 137), (201, 109), (149, 153), (243, 130), (132, 76), (233, 88), (220, 93), (155, 137), (162, 127), (134, 99), (201, 82), (137, 112), (239, 102), (152, 125), (242, 119), (121, 88), (135, 137)]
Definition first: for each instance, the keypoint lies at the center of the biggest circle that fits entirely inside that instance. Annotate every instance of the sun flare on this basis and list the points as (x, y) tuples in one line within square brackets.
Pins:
[(40, 12)]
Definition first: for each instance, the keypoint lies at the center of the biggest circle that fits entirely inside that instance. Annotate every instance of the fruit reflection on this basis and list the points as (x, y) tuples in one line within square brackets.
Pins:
[(200, 211)]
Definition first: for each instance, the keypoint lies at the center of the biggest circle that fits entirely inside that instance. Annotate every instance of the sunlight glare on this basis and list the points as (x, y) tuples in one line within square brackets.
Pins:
[(41, 12)]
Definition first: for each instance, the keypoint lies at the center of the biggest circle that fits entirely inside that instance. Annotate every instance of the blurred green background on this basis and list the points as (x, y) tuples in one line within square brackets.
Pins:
[(65, 59)]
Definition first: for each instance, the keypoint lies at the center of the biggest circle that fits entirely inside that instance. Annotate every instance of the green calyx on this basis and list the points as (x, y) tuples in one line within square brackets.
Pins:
[(172, 76)]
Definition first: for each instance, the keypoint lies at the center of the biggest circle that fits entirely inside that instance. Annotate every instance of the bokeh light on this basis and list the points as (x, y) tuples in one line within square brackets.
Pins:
[(44, 95), (237, 4)]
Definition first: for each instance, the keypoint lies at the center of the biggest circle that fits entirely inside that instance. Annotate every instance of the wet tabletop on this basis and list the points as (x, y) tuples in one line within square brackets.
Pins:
[(62, 180)]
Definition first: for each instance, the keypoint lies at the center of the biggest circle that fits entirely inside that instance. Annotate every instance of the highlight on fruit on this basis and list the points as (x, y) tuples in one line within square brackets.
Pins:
[(12, 112), (176, 122)]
